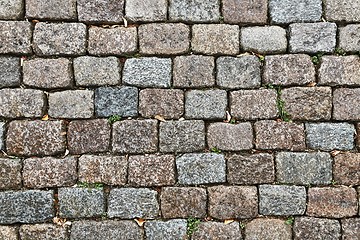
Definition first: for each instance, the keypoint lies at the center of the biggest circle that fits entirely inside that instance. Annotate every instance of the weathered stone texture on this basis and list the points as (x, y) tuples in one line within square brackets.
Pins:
[(8, 233), (267, 228), (51, 9), (351, 228), (146, 11), (316, 228), (10, 71), (11, 10), (43, 232), (10, 173), (346, 104), (2, 135), (349, 38), (100, 11), (15, 37), (171, 229), (194, 10), (342, 10), (217, 230), (239, 11), (347, 169)]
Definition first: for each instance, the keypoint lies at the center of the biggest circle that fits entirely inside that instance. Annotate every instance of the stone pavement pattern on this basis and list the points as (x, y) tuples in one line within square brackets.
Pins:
[(179, 119)]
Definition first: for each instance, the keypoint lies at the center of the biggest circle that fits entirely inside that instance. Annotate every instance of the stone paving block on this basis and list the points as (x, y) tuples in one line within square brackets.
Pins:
[(330, 202), (239, 72), (316, 228), (71, 104), (100, 11), (308, 103), (10, 71), (312, 37), (133, 203), (112, 41), (88, 136), (95, 71), (193, 71), (351, 228), (2, 135), (349, 37), (254, 104), (34, 138), (146, 11), (212, 39), (49, 172), (171, 229), (11, 9), (43, 232), (287, 11), (147, 72), (239, 11), (182, 136), (304, 168), (15, 37), (51, 9), (10, 177), (8, 233), (357, 140), (59, 39), (164, 38), (250, 169), (217, 230), (346, 104), (289, 69), (168, 103), (183, 202), (201, 168), (264, 40), (267, 228), (81, 202), (151, 170), (194, 10), (347, 168), (31, 206), (227, 202), (342, 10), (281, 200), (237, 136), (135, 136), (48, 73), (110, 170), (205, 104), (279, 135), (330, 136), (121, 101)]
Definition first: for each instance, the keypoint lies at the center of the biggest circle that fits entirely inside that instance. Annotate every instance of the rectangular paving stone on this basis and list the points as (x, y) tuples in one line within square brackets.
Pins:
[(342, 10), (350, 228), (164, 38), (330, 136), (346, 104), (10, 177), (312, 37), (218, 230), (330, 202), (11, 9), (30, 206), (245, 12), (357, 140), (347, 168), (8, 233), (238, 72), (171, 229), (100, 11), (51, 9), (10, 71), (201, 168), (194, 10), (349, 37), (146, 10), (110, 170), (213, 39), (2, 135), (112, 41), (281, 200), (316, 228), (49, 172), (268, 228), (135, 136), (59, 39), (183, 202), (15, 37), (43, 232)]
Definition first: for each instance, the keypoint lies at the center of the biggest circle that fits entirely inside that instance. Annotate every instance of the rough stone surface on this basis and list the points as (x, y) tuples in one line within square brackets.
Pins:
[(226, 202), (15, 37), (346, 104), (29, 138), (80, 202), (43, 232), (133, 203), (146, 11), (10, 71), (217, 230), (151, 170), (164, 38), (59, 39), (239, 11), (10, 173), (172, 229), (112, 41), (347, 169), (49, 172), (240, 72), (248, 169), (121, 101), (304, 168), (342, 10), (147, 72), (289, 69), (215, 39), (111, 170), (349, 38), (194, 10), (47, 73), (11, 9), (88, 136), (279, 135), (351, 228), (182, 136), (100, 11), (8, 233), (29, 206), (2, 135), (183, 202), (281, 200), (135, 136), (168, 103), (332, 202), (201, 168), (238, 136), (267, 228), (254, 104), (316, 228), (330, 136), (312, 37), (268, 39), (51, 9)]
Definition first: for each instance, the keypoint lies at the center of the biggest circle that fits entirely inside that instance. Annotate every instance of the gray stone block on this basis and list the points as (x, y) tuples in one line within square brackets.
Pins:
[(146, 10), (51, 9), (350, 228), (267, 228), (239, 11), (100, 11), (342, 10), (10, 71), (316, 228), (218, 230), (194, 10), (171, 229), (346, 103), (10, 177), (8, 233), (43, 232), (349, 37), (11, 9), (2, 135), (15, 37)]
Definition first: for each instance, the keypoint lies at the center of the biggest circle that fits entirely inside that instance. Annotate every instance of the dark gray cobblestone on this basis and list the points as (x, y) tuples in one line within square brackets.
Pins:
[(100, 11), (15, 37), (51, 9), (11, 9), (171, 229), (10, 177), (10, 71), (43, 232)]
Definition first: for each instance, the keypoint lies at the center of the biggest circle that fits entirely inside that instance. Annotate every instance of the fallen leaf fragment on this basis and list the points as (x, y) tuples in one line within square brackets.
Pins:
[(160, 118), (335, 152), (139, 221), (125, 22), (45, 117), (228, 117), (228, 221)]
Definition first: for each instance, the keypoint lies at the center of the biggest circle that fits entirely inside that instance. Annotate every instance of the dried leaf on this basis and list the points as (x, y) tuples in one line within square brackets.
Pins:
[(60, 221), (228, 221), (181, 119), (45, 117), (228, 117), (139, 221), (312, 84), (66, 152), (335, 152), (125, 22), (35, 21), (160, 118)]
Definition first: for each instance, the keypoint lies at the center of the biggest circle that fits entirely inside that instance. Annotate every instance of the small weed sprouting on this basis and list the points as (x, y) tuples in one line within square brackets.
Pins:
[(283, 114), (98, 186), (317, 58), (261, 58), (221, 19), (215, 150), (269, 86), (340, 52), (333, 182), (289, 220), (242, 225), (114, 118), (192, 225), (232, 121)]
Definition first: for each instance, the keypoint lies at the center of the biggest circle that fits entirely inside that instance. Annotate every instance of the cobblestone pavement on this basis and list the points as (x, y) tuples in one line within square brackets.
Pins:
[(179, 119)]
